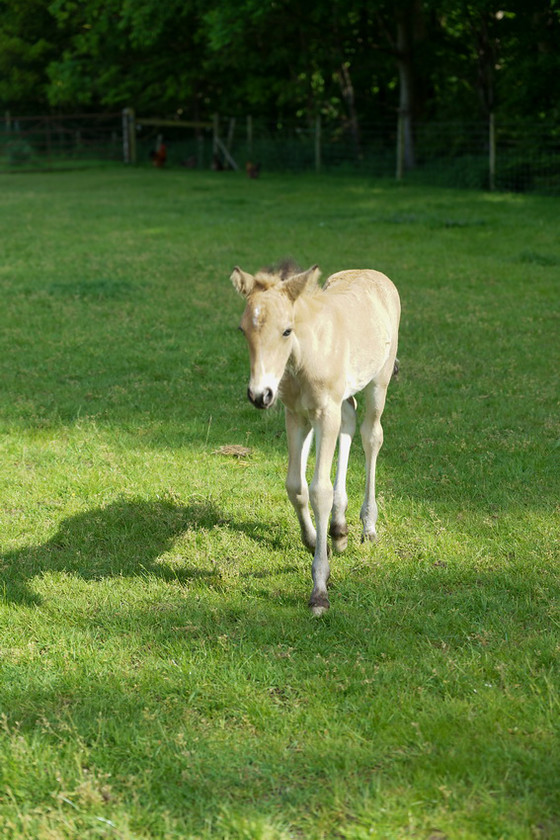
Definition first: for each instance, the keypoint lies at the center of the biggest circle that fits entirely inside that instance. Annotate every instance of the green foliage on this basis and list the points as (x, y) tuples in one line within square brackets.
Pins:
[(28, 43), (278, 60), (160, 676), (120, 53)]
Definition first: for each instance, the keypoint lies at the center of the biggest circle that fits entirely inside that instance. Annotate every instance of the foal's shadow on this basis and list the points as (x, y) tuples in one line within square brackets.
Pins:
[(125, 538)]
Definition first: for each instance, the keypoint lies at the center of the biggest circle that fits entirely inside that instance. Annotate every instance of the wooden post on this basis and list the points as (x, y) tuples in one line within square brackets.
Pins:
[(126, 150), (400, 147), (250, 137), (129, 135), (227, 154), (492, 153), (318, 143), (49, 142), (200, 151), (231, 131), (132, 135), (215, 133)]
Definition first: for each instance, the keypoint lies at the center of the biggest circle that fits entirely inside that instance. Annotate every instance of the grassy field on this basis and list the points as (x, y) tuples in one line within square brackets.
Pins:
[(160, 676)]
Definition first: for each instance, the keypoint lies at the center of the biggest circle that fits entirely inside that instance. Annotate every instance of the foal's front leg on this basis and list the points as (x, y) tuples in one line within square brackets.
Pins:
[(327, 427), (300, 435)]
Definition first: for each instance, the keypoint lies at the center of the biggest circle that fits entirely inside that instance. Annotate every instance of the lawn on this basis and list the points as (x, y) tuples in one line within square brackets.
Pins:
[(160, 675)]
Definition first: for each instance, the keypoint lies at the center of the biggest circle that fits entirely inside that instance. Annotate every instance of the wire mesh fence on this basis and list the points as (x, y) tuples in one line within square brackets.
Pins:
[(59, 142), (510, 157), (504, 156)]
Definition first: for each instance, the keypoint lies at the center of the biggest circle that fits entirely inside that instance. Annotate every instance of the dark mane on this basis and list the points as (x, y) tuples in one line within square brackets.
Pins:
[(284, 269)]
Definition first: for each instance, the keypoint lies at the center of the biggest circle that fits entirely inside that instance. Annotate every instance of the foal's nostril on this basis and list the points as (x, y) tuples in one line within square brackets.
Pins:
[(262, 400)]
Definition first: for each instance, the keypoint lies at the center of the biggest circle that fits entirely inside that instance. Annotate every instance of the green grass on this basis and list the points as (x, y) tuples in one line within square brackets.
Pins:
[(160, 676)]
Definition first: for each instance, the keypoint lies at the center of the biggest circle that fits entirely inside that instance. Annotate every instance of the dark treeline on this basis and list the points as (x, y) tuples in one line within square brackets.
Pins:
[(351, 61)]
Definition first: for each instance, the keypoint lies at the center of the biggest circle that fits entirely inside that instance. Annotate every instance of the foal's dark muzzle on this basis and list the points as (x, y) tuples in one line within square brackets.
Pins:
[(261, 400)]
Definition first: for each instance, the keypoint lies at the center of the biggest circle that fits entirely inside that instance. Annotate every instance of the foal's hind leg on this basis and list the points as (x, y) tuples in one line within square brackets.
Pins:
[(339, 528), (372, 439)]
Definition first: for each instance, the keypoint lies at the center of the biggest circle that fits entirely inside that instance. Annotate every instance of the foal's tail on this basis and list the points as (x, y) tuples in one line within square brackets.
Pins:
[(396, 367)]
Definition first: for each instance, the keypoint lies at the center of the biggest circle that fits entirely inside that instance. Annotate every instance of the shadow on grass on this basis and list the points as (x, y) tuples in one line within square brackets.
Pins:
[(234, 691), (125, 538), (414, 676)]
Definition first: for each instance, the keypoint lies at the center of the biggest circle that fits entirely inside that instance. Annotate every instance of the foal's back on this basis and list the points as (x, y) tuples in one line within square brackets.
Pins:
[(355, 284), (365, 306)]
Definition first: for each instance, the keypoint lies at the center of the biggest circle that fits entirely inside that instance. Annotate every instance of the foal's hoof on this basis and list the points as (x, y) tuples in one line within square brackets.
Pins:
[(340, 544), (339, 537), (318, 604), (369, 538), (310, 542)]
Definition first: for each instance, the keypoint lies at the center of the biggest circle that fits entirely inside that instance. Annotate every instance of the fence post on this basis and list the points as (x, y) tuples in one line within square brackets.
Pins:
[(215, 134), (318, 143), (49, 143), (129, 135), (200, 151), (132, 135), (492, 153), (125, 150), (250, 137), (400, 146), (231, 132)]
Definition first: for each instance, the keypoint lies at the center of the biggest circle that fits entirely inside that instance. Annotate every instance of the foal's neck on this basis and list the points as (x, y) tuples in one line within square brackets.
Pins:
[(307, 309), (307, 315)]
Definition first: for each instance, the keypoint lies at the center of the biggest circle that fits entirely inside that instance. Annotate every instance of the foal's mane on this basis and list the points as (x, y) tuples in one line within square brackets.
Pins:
[(276, 274), (285, 269)]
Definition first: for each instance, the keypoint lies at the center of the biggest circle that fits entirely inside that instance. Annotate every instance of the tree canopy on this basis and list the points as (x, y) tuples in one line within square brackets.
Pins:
[(355, 61)]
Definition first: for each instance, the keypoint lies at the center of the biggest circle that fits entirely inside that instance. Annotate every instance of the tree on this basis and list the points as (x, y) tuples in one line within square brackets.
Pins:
[(29, 41), (495, 57), (121, 52), (351, 61)]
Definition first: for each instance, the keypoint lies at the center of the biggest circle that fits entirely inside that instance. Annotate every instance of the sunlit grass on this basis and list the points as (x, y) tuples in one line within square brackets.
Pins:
[(160, 676)]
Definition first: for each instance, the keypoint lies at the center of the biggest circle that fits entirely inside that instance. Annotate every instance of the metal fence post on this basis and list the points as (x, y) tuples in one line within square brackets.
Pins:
[(318, 143), (125, 139), (129, 135), (250, 136), (400, 147), (492, 153), (215, 133)]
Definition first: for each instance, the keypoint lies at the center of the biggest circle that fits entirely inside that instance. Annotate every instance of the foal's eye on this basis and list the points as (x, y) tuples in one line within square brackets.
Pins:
[(287, 332)]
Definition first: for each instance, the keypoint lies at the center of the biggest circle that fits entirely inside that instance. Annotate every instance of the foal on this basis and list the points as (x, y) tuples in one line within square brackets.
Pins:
[(315, 347)]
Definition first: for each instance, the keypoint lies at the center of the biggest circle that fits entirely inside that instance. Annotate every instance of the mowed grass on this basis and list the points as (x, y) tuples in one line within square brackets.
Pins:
[(160, 676)]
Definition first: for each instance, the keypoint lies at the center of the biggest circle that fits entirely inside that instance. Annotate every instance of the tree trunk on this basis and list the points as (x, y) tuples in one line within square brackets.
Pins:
[(347, 90), (486, 48), (406, 85)]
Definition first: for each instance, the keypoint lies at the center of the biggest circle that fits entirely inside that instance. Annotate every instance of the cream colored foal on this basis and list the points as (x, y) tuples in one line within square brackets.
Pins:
[(315, 347)]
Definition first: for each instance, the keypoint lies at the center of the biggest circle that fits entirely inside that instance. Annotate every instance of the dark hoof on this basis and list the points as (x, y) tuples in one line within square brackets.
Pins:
[(340, 544), (319, 604), (338, 531), (369, 538)]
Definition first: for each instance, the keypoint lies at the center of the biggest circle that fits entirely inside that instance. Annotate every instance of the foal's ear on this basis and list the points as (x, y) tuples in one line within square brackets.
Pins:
[(296, 284), (243, 283)]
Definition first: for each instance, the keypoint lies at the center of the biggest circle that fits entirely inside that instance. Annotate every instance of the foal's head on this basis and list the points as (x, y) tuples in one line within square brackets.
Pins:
[(268, 324)]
